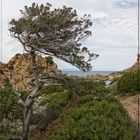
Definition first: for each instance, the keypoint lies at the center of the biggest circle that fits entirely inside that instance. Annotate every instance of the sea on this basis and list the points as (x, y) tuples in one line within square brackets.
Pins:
[(84, 74)]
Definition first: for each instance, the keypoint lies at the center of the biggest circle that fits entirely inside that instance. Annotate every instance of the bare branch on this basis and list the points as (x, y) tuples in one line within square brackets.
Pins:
[(20, 101)]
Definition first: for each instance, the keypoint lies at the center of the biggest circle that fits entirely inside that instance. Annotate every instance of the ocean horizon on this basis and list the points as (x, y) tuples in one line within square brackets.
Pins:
[(88, 73)]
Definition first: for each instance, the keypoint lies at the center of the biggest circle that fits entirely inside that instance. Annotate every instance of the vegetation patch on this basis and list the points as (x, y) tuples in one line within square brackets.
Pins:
[(91, 119), (129, 83)]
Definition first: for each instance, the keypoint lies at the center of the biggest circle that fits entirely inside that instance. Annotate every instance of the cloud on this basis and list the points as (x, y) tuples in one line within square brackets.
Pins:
[(114, 30), (126, 4)]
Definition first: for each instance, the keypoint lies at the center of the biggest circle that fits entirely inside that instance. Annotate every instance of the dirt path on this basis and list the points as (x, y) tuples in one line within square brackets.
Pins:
[(131, 105)]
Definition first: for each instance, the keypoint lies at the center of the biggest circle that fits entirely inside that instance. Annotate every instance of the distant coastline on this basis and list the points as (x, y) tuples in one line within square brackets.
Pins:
[(83, 74)]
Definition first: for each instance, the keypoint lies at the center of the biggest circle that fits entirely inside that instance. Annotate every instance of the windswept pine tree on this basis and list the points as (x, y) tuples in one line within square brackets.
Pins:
[(53, 32)]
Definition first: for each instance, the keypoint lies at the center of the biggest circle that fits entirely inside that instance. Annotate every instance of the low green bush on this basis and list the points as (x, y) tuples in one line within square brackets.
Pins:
[(57, 101), (56, 96), (129, 83), (91, 119), (5, 136), (9, 107), (10, 114), (52, 89), (84, 87), (50, 60), (79, 86)]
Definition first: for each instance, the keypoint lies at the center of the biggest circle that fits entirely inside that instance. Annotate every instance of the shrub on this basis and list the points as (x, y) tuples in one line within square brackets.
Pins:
[(81, 85), (52, 89), (50, 60), (58, 100), (9, 106), (129, 83), (56, 96), (10, 114), (85, 87), (91, 119)]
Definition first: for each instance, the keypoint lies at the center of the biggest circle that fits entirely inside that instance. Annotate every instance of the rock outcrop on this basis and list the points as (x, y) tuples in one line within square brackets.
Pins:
[(115, 75), (19, 70), (136, 65), (97, 77), (109, 77)]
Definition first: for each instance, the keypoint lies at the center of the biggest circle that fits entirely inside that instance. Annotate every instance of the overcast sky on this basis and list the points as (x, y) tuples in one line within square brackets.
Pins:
[(114, 30)]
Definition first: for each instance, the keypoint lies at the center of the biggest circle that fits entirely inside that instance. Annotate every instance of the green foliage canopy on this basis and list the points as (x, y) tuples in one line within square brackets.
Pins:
[(55, 32)]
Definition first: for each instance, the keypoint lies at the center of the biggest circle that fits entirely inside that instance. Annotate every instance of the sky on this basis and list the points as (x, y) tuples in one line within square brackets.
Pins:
[(114, 31)]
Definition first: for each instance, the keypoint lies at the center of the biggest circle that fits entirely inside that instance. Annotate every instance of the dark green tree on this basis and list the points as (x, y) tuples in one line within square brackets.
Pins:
[(9, 107), (54, 32)]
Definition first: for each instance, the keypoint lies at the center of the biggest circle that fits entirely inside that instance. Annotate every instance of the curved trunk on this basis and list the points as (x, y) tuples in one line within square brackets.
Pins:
[(26, 122), (28, 106)]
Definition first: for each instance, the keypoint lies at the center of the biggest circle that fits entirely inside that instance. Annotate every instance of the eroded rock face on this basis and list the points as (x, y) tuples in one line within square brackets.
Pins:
[(136, 65), (19, 70)]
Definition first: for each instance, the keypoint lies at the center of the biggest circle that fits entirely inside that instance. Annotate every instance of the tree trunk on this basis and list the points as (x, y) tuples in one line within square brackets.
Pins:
[(26, 122), (28, 107)]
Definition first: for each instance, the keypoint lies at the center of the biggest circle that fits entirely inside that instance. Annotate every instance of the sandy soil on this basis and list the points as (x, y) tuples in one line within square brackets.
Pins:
[(130, 103)]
